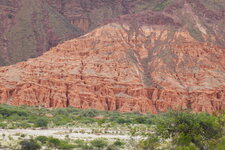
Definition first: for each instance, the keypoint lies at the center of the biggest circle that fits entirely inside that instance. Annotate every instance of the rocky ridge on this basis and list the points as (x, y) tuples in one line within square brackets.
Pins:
[(107, 70), (149, 61), (29, 28)]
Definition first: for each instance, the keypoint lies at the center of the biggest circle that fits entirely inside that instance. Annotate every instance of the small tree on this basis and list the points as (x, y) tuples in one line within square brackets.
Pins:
[(118, 143), (42, 139), (186, 128), (29, 145), (41, 122), (53, 142), (151, 143), (99, 143)]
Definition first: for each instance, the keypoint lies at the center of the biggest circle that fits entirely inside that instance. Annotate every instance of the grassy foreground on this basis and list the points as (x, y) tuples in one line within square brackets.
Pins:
[(171, 130)]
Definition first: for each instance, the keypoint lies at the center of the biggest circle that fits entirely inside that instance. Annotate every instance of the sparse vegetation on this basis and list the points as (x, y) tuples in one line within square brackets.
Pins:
[(29, 145), (186, 131), (99, 143), (27, 117), (173, 130)]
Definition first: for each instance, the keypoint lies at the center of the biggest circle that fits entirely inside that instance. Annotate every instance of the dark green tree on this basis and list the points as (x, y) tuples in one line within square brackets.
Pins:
[(151, 143), (99, 143), (42, 122), (186, 128), (29, 145)]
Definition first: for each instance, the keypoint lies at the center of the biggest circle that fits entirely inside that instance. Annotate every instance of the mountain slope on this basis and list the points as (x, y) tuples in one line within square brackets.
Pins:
[(28, 28), (107, 69), (149, 61), (89, 14)]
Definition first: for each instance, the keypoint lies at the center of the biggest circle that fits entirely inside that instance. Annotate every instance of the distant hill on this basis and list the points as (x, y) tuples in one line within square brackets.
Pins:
[(170, 56), (30, 27)]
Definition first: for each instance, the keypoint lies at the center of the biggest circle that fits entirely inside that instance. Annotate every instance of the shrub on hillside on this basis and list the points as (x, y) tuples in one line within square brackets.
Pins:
[(151, 143), (186, 128), (41, 122), (89, 113), (29, 145), (99, 143), (42, 139), (54, 142)]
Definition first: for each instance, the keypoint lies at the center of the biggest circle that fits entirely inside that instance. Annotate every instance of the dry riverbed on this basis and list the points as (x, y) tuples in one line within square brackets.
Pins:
[(62, 133), (10, 137)]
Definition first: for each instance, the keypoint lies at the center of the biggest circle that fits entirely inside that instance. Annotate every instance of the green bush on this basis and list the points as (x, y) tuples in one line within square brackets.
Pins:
[(118, 143), (86, 147), (221, 144), (140, 120), (53, 142), (89, 113), (61, 120), (86, 120), (112, 147), (3, 125), (99, 143), (217, 144), (121, 120), (66, 145), (41, 122), (24, 125), (189, 147), (186, 128), (151, 143), (42, 139), (7, 111), (29, 145), (81, 144)]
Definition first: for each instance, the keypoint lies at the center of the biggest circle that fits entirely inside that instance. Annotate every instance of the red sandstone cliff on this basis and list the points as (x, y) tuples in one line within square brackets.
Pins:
[(114, 67), (30, 27)]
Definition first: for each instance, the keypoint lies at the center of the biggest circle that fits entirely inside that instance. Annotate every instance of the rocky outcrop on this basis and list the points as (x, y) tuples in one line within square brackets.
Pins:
[(150, 69), (30, 27), (89, 14)]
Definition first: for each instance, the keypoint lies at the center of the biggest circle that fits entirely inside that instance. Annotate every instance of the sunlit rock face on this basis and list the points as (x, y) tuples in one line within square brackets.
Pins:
[(114, 68), (150, 61), (28, 28)]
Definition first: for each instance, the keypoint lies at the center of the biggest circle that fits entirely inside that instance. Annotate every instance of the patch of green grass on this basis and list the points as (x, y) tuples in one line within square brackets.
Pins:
[(54, 142), (99, 143)]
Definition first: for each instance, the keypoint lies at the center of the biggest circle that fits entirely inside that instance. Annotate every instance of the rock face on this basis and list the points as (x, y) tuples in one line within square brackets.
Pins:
[(150, 61), (89, 14), (30, 27), (114, 68)]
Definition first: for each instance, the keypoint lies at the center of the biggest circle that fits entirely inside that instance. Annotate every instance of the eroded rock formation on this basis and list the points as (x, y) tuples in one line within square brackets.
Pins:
[(149, 69), (30, 27)]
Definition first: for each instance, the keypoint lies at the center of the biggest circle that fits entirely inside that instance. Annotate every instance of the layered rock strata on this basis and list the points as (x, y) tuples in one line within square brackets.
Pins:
[(149, 69)]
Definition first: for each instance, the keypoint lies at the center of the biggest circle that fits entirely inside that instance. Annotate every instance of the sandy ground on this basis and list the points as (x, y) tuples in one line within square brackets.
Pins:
[(62, 133)]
